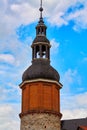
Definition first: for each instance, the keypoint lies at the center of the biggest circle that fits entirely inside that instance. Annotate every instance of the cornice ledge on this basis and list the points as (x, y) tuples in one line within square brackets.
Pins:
[(40, 79)]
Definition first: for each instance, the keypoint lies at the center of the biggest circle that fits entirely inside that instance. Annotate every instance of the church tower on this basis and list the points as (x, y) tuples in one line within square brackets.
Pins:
[(40, 86)]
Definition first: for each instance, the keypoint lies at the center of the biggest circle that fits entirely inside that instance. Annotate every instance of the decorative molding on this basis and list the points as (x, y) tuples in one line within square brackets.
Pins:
[(39, 112), (42, 80)]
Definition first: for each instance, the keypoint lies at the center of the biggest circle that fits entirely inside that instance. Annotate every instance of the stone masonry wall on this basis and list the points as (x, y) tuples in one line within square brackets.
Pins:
[(40, 122)]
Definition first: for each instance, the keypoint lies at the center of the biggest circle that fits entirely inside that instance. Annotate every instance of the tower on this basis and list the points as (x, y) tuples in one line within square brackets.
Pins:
[(40, 86)]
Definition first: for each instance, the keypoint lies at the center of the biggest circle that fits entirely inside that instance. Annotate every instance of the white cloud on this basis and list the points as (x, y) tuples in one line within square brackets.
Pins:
[(74, 106), (79, 17), (81, 100), (17, 12), (9, 119), (1, 72), (14, 50), (58, 11), (2, 94), (9, 92), (13, 14), (25, 12), (74, 114), (58, 20), (19, 56), (55, 46), (68, 78), (14, 88), (59, 17), (7, 58)]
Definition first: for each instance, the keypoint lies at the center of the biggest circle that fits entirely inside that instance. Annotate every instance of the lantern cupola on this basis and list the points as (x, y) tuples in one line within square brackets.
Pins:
[(41, 67)]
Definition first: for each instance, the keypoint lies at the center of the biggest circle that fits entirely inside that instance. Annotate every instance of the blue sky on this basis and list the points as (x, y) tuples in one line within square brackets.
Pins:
[(67, 32)]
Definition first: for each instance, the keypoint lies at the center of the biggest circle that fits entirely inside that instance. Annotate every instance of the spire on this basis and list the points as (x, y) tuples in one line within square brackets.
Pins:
[(41, 9), (41, 45), (40, 67)]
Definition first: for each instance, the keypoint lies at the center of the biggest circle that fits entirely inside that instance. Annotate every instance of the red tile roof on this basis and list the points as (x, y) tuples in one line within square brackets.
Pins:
[(83, 127)]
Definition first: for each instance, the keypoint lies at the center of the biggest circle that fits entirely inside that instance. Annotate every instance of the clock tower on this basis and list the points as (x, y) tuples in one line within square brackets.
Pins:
[(40, 86)]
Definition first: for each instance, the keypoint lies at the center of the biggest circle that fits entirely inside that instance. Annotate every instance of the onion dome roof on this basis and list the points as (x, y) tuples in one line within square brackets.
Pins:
[(41, 39), (40, 69)]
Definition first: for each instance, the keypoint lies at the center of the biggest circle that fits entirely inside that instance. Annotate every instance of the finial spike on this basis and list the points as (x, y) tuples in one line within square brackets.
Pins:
[(41, 3), (41, 9)]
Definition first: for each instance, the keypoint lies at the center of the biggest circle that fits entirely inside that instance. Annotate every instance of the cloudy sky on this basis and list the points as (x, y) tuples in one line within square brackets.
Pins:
[(67, 31)]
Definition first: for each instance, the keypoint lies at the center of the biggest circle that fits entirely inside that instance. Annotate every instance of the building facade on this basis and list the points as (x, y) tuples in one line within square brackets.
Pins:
[(40, 86), (74, 124)]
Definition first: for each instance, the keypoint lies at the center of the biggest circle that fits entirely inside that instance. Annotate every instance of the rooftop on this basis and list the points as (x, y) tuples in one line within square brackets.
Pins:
[(73, 124)]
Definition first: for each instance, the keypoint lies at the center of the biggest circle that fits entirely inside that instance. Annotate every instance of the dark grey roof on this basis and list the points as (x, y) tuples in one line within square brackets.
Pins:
[(41, 69), (41, 39), (73, 124), (40, 24)]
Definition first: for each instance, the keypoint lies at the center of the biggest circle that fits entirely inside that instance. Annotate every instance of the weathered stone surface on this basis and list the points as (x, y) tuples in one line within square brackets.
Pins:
[(40, 122)]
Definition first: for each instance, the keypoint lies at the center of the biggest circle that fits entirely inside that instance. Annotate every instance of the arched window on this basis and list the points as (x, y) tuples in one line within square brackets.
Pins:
[(42, 31), (44, 51), (37, 52), (38, 30)]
